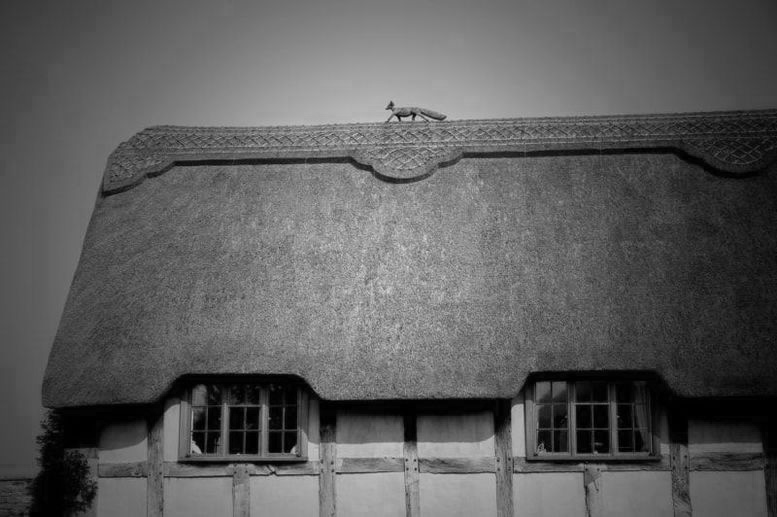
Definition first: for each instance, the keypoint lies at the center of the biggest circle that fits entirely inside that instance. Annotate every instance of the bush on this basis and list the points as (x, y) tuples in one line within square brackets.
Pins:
[(63, 486)]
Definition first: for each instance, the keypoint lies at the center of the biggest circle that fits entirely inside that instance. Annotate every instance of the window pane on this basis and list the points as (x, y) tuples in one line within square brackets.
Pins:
[(560, 441), (583, 416), (274, 442), (291, 417), (543, 416), (252, 443), (624, 416), (289, 442), (624, 392), (253, 394), (291, 396), (625, 442), (560, 416), (276, 394), (601, 441), (559, 391), (583, 391), (600, 392), (198, 443), (236, 415), (584, 442), (214, 418), (542, 392), (252, 418), (276, 416), (237, 394), (601, 415), (544, 442), (214, 395), (200, 395), (641, 440), (236, 442), (198, 419), (212, 443)]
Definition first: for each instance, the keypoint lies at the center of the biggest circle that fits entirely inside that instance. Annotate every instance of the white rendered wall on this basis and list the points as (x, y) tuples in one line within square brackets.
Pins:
[(292, 496), (365, 435), (198, 497), (375, 495), (171, 429), (457, 495), (637, 494), (123, 442), (121, 497), (549, 494), (462, 435), (518, 427)]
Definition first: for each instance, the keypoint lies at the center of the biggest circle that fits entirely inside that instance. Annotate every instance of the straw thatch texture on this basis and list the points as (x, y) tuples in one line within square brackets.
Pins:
[(453, 287)]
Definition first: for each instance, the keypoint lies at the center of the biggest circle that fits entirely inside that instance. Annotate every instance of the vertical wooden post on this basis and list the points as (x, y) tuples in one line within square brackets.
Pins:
[(241, 491), (592, 486), (412, 475), (155, 479), (503, 450), (680, 461), (328, 454), (770, 465)]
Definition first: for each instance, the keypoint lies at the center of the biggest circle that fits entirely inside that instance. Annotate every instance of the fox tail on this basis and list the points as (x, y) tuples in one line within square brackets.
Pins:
[(432, 114)]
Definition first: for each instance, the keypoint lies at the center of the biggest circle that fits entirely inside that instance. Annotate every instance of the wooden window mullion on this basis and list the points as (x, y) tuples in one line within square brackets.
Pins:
[(265, 411), (572, 409), (613, 418), (224, 421)]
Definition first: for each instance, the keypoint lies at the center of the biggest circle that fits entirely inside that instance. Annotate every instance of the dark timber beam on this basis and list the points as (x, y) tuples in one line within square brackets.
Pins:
[(328, 454), (155, 488), (680, 462), (503, 450), (412, 475)]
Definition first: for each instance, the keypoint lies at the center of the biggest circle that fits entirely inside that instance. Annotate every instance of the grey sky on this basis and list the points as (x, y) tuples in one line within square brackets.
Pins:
[(77, 78)]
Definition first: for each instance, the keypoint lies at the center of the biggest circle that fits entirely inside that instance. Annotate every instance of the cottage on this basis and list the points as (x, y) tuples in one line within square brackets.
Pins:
[(566, 316)]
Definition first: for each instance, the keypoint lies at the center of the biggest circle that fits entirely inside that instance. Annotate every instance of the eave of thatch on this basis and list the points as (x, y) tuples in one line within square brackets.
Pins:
[(456, 284)]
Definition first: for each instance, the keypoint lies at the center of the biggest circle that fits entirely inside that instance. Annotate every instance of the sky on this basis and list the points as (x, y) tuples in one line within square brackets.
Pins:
[(79, 77)]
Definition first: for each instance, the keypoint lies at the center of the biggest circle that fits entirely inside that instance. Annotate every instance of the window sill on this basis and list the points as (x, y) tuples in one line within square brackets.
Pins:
[(243, 458), (594, 458)]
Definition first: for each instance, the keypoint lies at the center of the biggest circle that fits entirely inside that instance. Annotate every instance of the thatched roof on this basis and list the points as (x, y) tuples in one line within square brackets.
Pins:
[(416, 261)]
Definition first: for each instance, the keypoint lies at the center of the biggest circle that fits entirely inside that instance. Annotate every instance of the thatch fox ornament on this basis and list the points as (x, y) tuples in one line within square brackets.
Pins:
[(424, 113)]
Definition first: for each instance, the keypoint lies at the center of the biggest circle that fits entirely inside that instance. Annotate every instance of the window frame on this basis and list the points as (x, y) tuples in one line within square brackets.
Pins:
[(654, 452), (185, 420)]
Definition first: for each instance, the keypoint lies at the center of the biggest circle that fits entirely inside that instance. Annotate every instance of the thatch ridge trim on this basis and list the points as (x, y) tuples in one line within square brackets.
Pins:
[(735, 142)]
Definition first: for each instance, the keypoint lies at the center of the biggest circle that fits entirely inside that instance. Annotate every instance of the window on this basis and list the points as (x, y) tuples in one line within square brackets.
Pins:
[(589, 419), (252, 421)]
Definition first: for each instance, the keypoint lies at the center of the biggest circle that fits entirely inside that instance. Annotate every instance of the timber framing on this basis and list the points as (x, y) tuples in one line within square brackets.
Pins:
[(733, 462)]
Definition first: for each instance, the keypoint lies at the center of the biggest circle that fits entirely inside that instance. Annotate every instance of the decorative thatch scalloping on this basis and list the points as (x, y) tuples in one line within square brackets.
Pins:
[(734, 142), (458, 286)]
